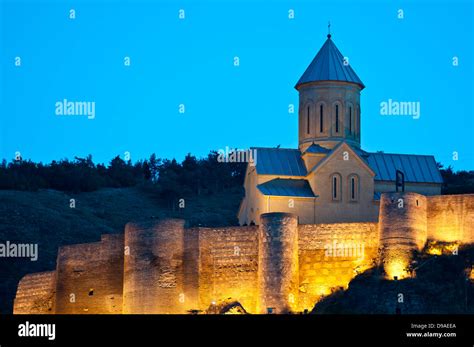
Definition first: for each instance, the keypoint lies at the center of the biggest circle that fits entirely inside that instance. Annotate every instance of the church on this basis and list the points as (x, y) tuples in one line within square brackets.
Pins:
[(329, 178), (309, 203)]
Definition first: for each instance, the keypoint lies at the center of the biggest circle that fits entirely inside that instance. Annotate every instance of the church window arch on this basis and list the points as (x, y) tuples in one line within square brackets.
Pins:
[(336, 187), (354, 188), (308, 119), (321, 118), (337, 115), (351, 118)]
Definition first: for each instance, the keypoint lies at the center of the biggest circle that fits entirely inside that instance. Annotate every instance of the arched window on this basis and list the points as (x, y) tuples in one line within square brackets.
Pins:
[(353, 187), (336, 187), (307, 120), (350, 120), (337, 118), (321, 118)]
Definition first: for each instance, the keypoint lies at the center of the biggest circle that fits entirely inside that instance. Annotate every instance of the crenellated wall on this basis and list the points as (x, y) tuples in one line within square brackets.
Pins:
[(160, 266)]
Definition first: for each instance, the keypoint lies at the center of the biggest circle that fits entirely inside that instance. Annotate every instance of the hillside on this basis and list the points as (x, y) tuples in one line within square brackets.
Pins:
[(439, 287), (44, 217)]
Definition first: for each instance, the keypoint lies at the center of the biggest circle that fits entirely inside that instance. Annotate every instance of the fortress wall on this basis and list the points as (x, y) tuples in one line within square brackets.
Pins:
[(89, 277), (153, 268), (191, 269), (278, 263), (228, 266), (36, 294), (403, 229), (451, 218), (161, 267), (330, 255)]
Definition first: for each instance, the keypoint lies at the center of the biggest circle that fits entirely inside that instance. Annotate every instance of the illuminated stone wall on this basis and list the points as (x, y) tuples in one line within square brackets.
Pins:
[(278, 269), (451, 218), (35, 294), (403, 229), (153, 267), (330, 255), (228, 266), (90, 277), (163, 267)]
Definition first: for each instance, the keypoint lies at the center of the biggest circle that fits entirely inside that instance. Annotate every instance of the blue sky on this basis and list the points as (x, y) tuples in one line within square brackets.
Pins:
[(191, 62)]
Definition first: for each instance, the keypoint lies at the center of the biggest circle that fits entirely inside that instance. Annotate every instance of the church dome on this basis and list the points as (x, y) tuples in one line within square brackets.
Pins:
[(328, 65)]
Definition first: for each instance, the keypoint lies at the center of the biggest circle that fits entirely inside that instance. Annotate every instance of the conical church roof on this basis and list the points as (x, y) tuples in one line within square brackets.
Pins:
[(328, 65)]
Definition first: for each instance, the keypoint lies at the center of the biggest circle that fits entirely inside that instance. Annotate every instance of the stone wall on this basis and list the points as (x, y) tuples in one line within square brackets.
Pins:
[(451, 218), (163, 267), (228, 266), (403, 229), (330, 255), (278, 279), (191, 265), (153, 267), (90, 277), (36, 294)]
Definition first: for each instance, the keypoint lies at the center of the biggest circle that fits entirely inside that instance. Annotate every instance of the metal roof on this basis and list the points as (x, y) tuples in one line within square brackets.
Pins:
[(288, 162), (314, 148), (417, 168), (287, 187), (279, 161), (328, 65)]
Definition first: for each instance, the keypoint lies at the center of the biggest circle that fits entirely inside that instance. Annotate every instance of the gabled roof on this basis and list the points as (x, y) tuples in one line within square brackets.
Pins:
[(356, 154), (328, 65), (287, 187), (279, 161), (417, 168), (314, 148)]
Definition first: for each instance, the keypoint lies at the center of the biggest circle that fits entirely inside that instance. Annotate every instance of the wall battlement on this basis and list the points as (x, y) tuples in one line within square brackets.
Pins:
[(161, 266)]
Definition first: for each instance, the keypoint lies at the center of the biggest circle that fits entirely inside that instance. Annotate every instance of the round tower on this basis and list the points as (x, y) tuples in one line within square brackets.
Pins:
[(329, 100), (403, 229), (278, 262), (153, 267)]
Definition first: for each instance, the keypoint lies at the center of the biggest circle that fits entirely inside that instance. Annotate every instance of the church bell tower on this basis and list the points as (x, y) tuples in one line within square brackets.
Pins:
[(329, 100)]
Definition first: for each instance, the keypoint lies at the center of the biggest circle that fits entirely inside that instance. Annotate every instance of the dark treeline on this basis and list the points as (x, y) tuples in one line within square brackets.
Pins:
[(459, 182), (169, 178)]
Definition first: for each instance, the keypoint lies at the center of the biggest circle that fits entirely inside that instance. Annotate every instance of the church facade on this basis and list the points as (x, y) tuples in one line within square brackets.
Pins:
[(329, 178)]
